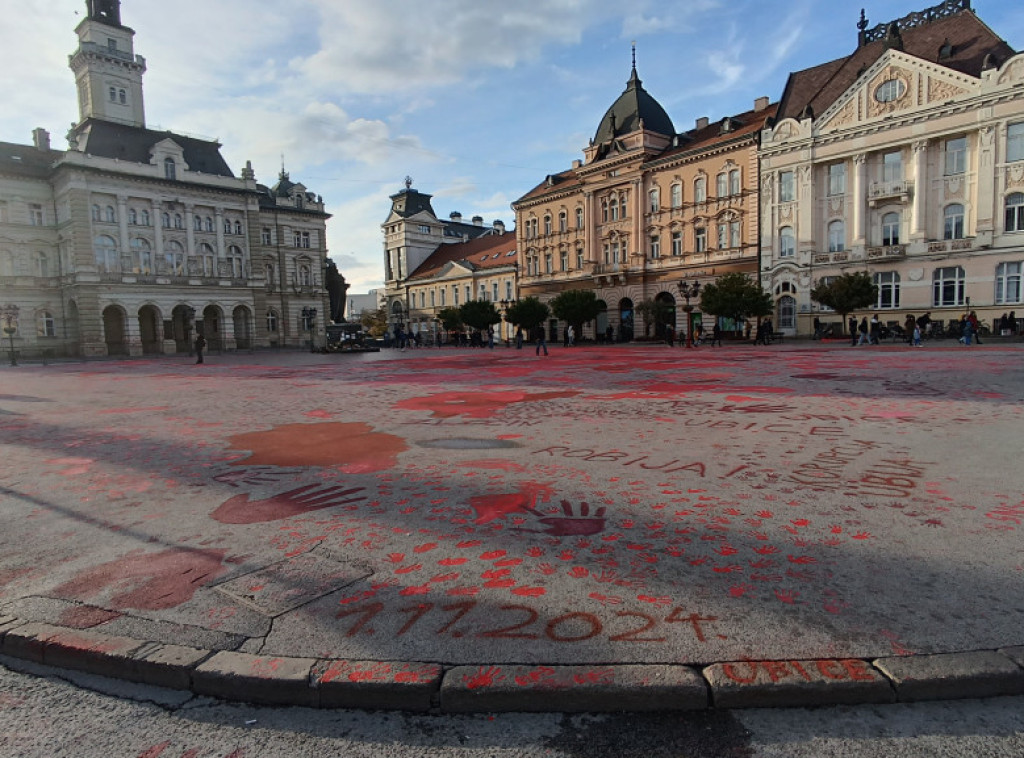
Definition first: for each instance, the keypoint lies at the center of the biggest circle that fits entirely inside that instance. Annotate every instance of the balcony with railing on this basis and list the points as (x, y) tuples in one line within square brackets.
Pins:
[(899, 190), (887, 252)]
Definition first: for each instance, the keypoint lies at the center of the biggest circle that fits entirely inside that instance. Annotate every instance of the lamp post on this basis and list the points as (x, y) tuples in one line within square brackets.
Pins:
[(308, 320), (505, 305), (10, 316), (688, 291)]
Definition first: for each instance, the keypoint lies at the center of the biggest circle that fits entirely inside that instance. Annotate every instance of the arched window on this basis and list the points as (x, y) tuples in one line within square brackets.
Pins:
[(891, 229), (305, 276), (547, 225), (179, 222), (676, 195), (133, 217), (111, 214), (170, 169), (165, 220), (613, 208), (787, 312), (209, 224), (96, 213), (46, 326), (113, 94), (42, 265), (655, 200), (734, 182), (563, 222), (1008, 280), (197, 223), (122, 96), (836, 236), (787, 242), (238, 227), (142, 256), (953, 222), (1015, 212), (700, 190), (271, 321), (105, 251)]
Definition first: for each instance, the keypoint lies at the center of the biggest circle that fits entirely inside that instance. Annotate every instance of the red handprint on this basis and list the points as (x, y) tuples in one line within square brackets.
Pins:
[(571, 525), (296, 502), (253, 475)]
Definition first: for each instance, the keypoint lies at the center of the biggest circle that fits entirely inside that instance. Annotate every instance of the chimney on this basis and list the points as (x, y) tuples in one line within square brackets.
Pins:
[(702, 122), (761, 103), (455, 216), (41, 139), (499, 226), (577, 163), (478, 220)]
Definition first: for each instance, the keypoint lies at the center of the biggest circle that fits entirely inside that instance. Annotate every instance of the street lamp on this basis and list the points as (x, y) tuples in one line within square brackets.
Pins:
[(10, 316), (308, 319), (688, 291)]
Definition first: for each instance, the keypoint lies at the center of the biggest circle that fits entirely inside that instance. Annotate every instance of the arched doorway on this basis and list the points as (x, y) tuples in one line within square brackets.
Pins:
[(785, 317), (151, 330), (601, 322), (114, 332), (211, 326), (74, 346), (181, 327), (242, 327), (665, 315), (625, 320)]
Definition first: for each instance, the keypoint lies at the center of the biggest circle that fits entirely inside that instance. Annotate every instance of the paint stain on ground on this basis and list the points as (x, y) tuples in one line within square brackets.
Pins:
[(475, 404), (147, 581), (354, 448), (86, 616)]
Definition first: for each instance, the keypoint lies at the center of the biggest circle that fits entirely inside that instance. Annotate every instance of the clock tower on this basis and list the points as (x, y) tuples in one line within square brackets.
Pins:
[(107, 71)]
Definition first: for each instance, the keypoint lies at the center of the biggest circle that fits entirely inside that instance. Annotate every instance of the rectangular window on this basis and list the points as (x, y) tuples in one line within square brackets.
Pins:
[(265, 237), (721, 186), (700, 239), (579, 259), (700, 190), (455, 294), (1015, 142), (956, 156), (655, 247), (734, 182), (677, 243), (433, 296), (888, 289), (948, 287), (424, 229), (469, 294), (444, 296), (892, 167), (494, 291), (1008, 279), (579, 218), (35, 214), (677, 196), (787, 187), (723, 236), (837, 179), (563, 260), (734, 234), (508, 290)]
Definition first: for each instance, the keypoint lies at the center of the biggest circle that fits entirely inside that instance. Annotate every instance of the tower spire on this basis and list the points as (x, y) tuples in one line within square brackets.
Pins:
[(634, 78)]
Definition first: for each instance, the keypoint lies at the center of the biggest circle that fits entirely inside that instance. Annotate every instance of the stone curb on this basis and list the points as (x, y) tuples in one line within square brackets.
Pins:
[(419, 686)]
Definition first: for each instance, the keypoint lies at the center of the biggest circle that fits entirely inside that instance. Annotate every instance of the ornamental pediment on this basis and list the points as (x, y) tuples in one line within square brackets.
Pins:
[(895, 85)]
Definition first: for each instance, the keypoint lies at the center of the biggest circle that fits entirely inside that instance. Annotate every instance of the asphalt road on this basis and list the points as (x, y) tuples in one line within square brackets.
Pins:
[(43, 716)]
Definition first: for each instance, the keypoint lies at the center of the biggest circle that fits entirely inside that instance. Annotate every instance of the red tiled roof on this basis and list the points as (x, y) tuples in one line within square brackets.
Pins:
[(489, 251), (822, 85)]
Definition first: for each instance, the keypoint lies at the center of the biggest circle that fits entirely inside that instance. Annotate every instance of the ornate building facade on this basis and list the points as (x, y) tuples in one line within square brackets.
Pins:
[(646, 209), (904, 159), (133, 240), (433, 263)]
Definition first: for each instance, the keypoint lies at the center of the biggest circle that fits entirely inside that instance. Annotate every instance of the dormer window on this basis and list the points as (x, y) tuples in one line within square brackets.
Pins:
[(298, 201), (170, 169)]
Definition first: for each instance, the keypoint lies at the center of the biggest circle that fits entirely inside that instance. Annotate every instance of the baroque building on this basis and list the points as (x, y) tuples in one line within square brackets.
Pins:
[(904, 159), (133, 240), (433, 263), (648, 208)]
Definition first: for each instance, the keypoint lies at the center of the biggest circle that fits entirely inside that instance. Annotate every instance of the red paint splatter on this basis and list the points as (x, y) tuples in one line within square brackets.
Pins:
[(475, 404), (354, 448)]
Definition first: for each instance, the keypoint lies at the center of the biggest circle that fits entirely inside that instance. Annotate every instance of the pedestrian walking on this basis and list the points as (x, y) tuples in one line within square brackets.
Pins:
[(863, 331), (200, 346), (490, 337), (966, 331), (852, 323), (876, 330), (538, 336), (909, 326), (917, 335), (972, 317), (519, 338), (716, 335)]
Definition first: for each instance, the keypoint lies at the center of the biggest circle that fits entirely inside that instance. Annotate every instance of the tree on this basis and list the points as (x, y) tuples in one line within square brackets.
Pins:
[(846, 293), (336, 287), (451, 319), (527, 313), (375, 322), (653, 312), (736, 296), (479, 314), (576, 307)]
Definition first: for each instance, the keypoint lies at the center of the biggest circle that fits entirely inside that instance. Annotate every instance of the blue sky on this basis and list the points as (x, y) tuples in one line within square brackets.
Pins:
[(477, 100)]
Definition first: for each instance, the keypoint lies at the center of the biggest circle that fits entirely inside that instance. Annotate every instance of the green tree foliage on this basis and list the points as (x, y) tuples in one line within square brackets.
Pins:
[(451, 319), (375, 322), (846, 293), (653, 312), (479, 314), (576, 307), (527, 313), (736, 296)]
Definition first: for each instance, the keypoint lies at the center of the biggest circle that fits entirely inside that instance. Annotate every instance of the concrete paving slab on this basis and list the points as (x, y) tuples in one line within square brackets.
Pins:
[(1015, 654), (95, 653), (28, 641), (472, 689), (168, 666), (953, 676), (784, 684)]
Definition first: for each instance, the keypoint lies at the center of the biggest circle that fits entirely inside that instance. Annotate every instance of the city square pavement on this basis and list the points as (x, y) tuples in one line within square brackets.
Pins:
[(453, 528)]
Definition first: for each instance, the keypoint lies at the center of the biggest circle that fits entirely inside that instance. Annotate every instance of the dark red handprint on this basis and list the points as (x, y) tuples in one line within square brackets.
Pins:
[(296, 502), (571, 525)]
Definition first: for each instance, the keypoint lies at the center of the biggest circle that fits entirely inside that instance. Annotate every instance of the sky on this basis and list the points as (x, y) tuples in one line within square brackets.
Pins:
[(476, 100)]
